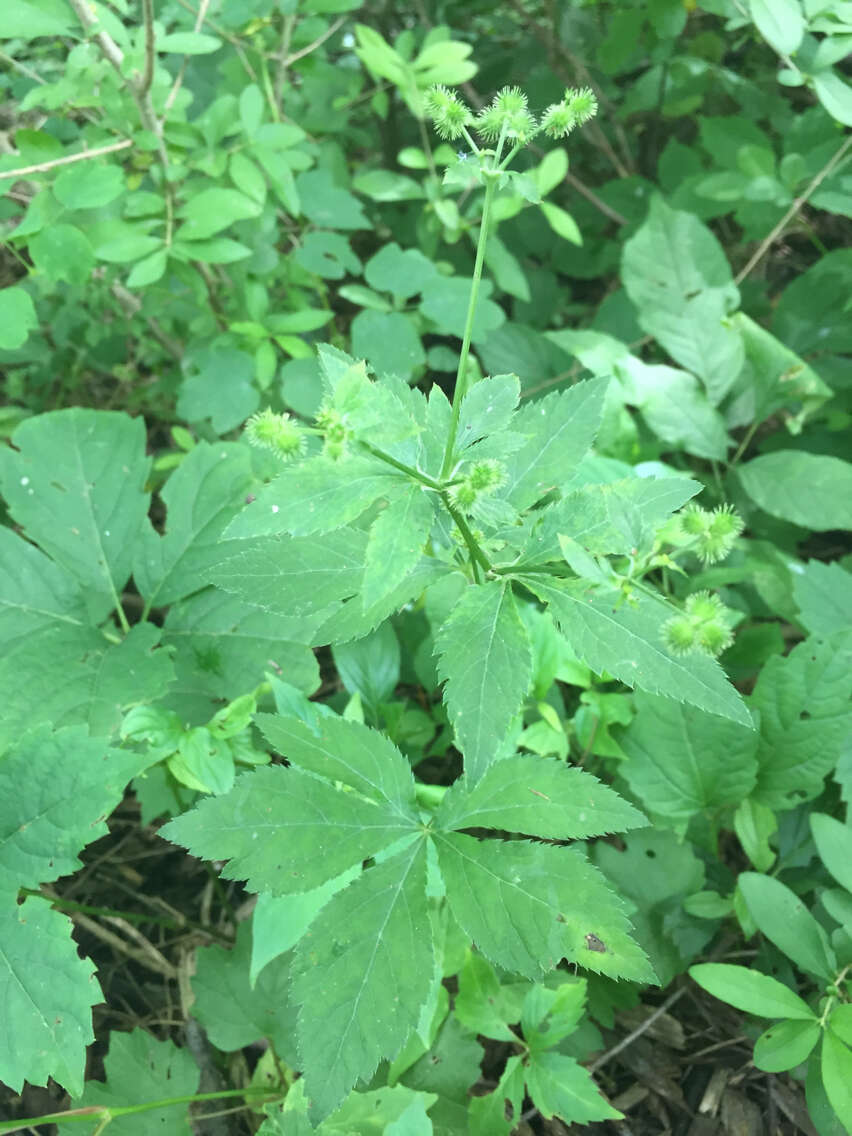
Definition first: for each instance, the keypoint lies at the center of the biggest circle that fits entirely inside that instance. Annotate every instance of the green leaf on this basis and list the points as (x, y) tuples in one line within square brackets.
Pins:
[(486, 660), (823, 595), (247, 177), (75, 483), (677, 410), (482, 1004), (751, 991), (296, 577), (205, 492), (626, 642), (389, 342), (362, 974), (402, 273), (149, 270), (811, 490), (188, 43), (370, 667), (212, 210), (315, 496), (140, 1069), (837, 1076), (675, 272), (270, 825), (349, 752), (835, 95), (537, 796), (17, 318), (48, 992), (786, 1045), (89, 185), (782, 917), (780, 22), (327, 204), (487, 407), (488, 1113), (834, 844), (395, 544), (236, 1012), (221, 389), (543, 902), (328, 255), (802, 700), (29, 19), (558, 1086), (445, 302), (562, 223), (683, 761), (560, 427), (63, 252)]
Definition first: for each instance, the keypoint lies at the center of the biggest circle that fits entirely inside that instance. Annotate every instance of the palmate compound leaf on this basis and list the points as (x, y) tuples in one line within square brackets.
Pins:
[(528, 905), (362, 975), (622, 636), (486, 660), (56, 790), (538, 796)]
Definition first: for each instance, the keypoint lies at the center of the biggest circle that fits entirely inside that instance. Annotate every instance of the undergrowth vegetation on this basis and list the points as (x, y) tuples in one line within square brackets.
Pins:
[(425, 585)]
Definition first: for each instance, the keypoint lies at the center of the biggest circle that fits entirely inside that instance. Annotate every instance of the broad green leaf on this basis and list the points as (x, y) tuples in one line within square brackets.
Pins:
[(825, 1119), (385, 185), (482, 1004), (751, 991), (837, 1076), (349, 752), (48, 991), (370, 667), (802, 700), (29, 19), (202, 496), (212, 210), (562, 223), (527, 906), (139, 1069), (222, 648), (676, 409), (56, 791), (549, 1015), (361, 976), (75, 483), (537, 796), (834, 844), (17, 318), (786, 1045), (811, 490), (835, 94), (487, 407), (560, 1087), (780, 22), (626, 642), (279, 921), (488, 1113), (221, 389), (395, 544), (823, 595), (676, 274), (682, 761), (188, 43), (315, 496), (402, 273), (445, 301), (89, 185), (63, 252), (328, 255), (236, 1012), (389, 341), (560, 427), (395, 1111), (272, 825), (485, 658), (327, 204), (782, 917), (295, 577)]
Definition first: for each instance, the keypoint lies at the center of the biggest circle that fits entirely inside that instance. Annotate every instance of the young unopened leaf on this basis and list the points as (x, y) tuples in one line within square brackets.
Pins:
[(544, 902), (486, 660), (362, 974), (537, 796)]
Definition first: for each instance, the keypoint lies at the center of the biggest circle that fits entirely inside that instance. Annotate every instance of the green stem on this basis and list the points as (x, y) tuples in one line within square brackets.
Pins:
[(461, 374), (416, 474), (106, 1113), (62, 904), (477, 556), (744, 444)]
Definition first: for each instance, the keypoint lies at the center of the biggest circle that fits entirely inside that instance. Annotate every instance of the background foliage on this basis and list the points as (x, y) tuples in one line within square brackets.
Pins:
[(211, 210)]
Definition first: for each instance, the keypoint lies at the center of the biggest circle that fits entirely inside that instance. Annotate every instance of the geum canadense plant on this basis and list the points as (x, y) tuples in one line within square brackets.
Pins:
[(391, 493)]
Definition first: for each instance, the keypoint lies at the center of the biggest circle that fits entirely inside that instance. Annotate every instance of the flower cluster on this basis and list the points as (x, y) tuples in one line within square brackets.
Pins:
[(507, 115), (703, 626), (713, 533), (277, 432), (480, 480)]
